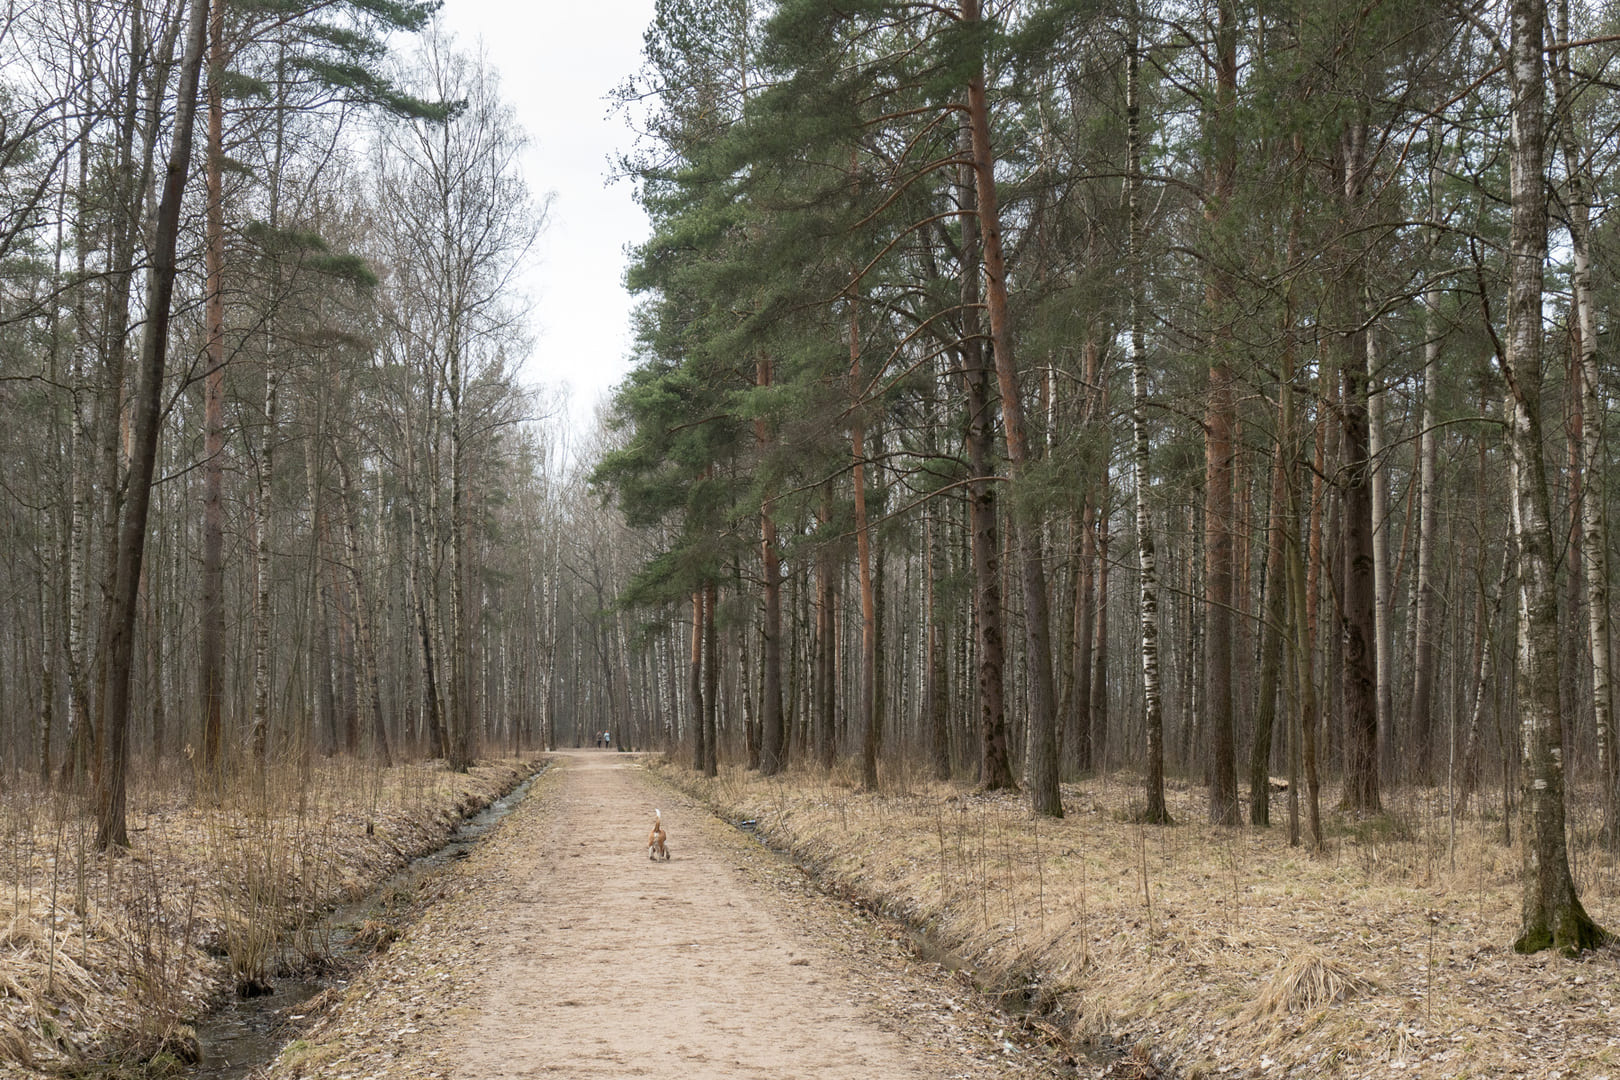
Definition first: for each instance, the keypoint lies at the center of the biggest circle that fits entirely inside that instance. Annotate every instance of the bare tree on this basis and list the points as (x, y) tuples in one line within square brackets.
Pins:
[(458, 216), (111, 830)]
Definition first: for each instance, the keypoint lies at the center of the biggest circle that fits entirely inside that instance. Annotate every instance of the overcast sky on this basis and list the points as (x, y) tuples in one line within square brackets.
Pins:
[(558, 62)]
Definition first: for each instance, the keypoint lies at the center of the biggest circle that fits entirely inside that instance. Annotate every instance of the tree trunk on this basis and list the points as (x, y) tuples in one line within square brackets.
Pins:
[(995, 764), (1296, 581), (267, 471), (261, 572), (1155, 812), (132, 181), (936, 701), (826, 642), (745, 665), (362, 622), (76, 543), (1275, 611), (1085, 627), (773, 736), (711, 682), (863, 559), (1552, 913), (1357, 621), (324, 701), (1220, 421), (211, 637), (1042, 767), (700, 749), (460, 733), (1594, 530), (1488, 609), (1358, 595), (111, 827), (1421, 716), (1378, 487), (1099, 674)]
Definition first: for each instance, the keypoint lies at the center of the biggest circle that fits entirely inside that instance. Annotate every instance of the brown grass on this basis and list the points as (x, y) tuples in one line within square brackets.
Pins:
[(103, 955), (1219, 948), (1306, 983)]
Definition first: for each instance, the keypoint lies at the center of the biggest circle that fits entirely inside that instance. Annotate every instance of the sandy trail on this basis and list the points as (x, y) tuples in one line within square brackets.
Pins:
[(610, 965)]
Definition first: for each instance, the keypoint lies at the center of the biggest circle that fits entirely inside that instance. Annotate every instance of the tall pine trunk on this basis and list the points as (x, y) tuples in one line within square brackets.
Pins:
[(1042, 766), (1358, 594), (773, 735), (700, 750), (995, 763), (711, 681), (863, 559), (1220, 422)]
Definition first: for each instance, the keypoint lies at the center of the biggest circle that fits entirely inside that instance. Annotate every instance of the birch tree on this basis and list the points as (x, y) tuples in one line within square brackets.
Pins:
[(1552, 915), (460, 218)]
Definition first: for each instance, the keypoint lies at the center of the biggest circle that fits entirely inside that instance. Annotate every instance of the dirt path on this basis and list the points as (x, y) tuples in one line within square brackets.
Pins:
[(619, 966), (562, 951)]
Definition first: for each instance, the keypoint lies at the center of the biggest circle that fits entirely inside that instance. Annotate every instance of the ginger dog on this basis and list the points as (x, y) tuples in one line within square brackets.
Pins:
[(656, 848)]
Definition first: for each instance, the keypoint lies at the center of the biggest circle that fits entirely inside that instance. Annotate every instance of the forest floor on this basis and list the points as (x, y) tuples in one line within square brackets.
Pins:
[(558, 949), (1219, 952), (804, 928), (104, 960)]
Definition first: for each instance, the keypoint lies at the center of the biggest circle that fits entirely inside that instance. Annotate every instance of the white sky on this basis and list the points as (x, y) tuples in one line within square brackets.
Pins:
[(558, 62)]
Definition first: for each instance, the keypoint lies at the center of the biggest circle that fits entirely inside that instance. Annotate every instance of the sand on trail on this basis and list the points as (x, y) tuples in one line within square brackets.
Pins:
[(611, 965)]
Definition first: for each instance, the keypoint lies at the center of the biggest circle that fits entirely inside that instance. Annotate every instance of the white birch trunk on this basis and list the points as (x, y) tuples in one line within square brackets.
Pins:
[(1552, 913)]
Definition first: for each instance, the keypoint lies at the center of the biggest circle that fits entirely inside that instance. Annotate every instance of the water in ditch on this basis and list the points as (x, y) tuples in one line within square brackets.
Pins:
[(245, 1033)]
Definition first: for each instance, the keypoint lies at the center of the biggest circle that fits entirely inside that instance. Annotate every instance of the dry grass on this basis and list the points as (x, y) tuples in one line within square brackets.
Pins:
[(104, 956), (1306, 983), (1223, 950)]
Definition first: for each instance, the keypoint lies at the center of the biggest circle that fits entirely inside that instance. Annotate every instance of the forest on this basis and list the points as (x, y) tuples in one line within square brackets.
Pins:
[(1024, 393), (265, 447), (1027, 391)]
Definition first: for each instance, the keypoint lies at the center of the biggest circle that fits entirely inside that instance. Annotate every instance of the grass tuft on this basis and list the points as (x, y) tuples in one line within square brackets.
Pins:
[(1307, 982)]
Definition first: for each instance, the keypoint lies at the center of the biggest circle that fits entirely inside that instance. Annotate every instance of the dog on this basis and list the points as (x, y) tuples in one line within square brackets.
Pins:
[(656, 847)]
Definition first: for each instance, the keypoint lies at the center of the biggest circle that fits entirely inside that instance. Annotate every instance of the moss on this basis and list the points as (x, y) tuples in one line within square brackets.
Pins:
[(301, 1055), (165, 1064), (1571, 931)]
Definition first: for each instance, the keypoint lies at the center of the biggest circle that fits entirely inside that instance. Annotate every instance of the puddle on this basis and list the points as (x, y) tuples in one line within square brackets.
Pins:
[(245, 1033)]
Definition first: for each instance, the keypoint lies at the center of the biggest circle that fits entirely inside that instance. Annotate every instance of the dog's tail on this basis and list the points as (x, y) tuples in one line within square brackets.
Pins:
[(658, 817)]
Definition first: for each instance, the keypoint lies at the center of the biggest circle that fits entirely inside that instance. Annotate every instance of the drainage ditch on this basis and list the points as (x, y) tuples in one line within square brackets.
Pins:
[(245, 1033), (1022, 1002)]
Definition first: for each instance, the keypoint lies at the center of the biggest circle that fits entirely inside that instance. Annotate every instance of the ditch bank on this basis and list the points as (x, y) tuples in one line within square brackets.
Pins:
[(1212, 951), (128, 966), (243, 1033), (1037, 1012)]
